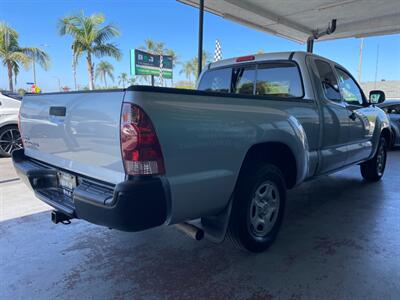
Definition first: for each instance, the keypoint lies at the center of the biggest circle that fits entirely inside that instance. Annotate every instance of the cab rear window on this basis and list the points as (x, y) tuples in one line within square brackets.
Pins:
[(278, 79)]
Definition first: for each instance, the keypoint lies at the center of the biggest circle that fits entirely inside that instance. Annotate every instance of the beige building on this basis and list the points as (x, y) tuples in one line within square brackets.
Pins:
[(390, 87)]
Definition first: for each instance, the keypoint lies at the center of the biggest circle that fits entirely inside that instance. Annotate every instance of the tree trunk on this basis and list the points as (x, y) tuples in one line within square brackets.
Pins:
[(74, 73), (105, 80), (90, 70), (10, 77)]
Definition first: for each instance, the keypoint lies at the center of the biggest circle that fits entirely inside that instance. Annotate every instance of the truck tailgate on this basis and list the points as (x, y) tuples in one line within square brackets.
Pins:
[(79, 132)]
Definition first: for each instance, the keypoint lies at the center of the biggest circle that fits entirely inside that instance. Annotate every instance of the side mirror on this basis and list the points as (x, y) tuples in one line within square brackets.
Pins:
[(376, 96)]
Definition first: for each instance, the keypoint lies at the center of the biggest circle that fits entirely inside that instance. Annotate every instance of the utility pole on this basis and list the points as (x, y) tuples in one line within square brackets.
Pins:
[(376, 67), (59, 82), (360, 62)]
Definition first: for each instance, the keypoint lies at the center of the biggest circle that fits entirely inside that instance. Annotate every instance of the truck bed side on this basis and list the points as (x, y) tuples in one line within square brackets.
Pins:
[(205, 137)]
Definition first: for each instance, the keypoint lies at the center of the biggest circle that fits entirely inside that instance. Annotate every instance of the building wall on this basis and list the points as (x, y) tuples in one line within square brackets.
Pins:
[(390, 87)]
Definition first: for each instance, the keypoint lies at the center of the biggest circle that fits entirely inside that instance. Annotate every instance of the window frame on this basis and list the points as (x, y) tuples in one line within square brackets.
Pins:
[(256, 64), (364, 99), (315, 59), (252, 67)]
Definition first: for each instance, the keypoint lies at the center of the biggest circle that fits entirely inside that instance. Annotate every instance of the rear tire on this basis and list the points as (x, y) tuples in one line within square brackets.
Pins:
[(258, 208), (373, 169), (10, 140)]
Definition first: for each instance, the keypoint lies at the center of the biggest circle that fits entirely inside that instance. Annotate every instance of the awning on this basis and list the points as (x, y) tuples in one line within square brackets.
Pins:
[(298, 20)]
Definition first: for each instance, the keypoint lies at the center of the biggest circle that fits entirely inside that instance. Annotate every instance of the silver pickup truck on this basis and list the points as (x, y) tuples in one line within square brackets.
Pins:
[(215, 161)]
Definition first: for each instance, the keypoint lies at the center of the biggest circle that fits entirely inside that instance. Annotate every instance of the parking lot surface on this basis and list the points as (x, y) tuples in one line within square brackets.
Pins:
[(340, 240)]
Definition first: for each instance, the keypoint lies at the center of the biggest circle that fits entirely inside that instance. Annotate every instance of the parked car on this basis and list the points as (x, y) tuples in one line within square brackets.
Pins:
[(10, 138), (392, 109), (221, 157)]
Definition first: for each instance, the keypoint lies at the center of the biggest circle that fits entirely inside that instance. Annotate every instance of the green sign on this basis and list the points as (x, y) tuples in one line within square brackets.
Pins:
[(144, 63)]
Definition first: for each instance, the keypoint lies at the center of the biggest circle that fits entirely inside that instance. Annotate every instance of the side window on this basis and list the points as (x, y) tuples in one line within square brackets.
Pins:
[(328, 80), (218, 80), (243, 80), (279, 79), (351, 93)]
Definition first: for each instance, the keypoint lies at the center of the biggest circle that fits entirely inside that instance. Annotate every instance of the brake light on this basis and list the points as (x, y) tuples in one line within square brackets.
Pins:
[(141, 151), (245, 58)]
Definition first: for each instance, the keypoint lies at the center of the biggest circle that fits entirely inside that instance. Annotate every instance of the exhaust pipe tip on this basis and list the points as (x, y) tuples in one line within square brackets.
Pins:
[(191, 230)]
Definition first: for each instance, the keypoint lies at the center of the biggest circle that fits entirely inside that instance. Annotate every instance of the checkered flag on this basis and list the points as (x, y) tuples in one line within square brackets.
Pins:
[(218, 52), (161, 71)]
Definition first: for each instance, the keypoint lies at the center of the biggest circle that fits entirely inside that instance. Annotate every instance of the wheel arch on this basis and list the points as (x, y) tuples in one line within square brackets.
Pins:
[(276, 153), (387, 134)]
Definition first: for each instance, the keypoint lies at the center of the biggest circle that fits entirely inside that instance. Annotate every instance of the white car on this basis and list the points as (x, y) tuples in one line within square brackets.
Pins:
[(10, 139)]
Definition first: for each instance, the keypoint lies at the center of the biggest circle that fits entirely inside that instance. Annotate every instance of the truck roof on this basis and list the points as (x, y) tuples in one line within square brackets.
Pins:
[(295, 55)]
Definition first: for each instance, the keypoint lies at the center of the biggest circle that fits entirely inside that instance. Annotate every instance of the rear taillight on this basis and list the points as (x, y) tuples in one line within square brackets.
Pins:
[(141, 151)]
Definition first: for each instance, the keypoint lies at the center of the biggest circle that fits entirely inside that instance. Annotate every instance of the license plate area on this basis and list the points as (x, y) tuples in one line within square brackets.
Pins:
[(67, 183)]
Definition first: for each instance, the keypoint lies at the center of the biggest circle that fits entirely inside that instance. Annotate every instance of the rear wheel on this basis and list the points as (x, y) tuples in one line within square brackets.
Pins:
[(373, 169), (10, 140), (258, 208)]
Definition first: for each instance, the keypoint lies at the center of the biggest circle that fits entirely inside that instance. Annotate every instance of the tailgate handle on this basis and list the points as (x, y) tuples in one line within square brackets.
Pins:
[(58, 111)]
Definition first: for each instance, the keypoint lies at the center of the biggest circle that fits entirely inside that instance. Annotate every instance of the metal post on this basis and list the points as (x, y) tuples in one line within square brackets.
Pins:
[(200, 49), (152, 80), (310, 44)]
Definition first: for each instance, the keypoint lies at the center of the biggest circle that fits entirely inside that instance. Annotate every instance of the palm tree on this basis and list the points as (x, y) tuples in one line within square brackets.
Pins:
[(122, 79), (149, 45), (12, 55), (188, 69), (103, 70), (90, 37), (132, 81), (75, 58), (206, 60)]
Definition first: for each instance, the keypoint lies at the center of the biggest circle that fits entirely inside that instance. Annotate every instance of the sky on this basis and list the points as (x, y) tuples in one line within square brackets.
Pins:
[(176, 25)]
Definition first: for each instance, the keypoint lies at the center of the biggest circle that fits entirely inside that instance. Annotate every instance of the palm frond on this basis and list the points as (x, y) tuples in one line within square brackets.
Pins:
[(20, 57), (106, 33), (40, 57), (107, 50)]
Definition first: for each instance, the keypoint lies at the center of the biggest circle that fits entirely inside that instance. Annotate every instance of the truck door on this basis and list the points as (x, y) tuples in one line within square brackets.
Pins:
[(360, 145), (335, 119)]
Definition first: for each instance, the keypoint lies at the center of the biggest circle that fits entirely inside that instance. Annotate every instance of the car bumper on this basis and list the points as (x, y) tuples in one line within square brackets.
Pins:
[(132, 205)]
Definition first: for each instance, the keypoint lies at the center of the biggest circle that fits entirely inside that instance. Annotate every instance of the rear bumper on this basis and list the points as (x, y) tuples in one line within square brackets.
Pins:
[(132, 205)]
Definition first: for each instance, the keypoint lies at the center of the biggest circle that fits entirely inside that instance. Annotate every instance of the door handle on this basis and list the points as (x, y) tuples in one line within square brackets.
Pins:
[(353, 116)]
